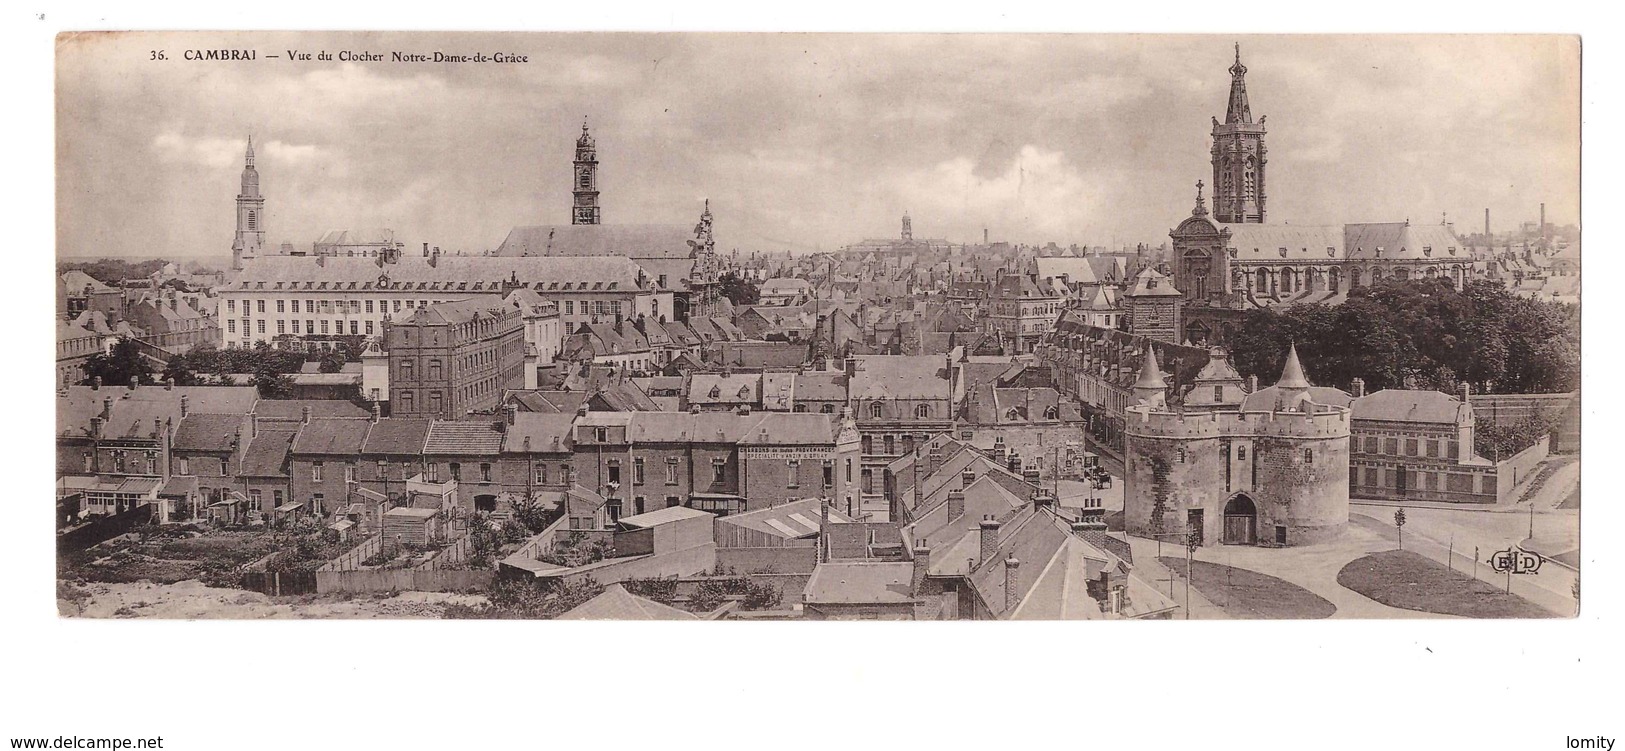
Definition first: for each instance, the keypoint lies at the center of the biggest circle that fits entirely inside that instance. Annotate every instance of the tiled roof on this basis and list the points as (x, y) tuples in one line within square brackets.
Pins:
[(132, 411), (453, 437), (900, 377), (535, 432), (293, 409)]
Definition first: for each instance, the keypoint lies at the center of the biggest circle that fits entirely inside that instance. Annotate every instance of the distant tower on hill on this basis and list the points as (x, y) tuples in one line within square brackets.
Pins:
[(584, 208)]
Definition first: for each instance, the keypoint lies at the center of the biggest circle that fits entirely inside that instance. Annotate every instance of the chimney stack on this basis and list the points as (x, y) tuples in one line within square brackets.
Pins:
[(1012, 582), (169, 384), (96, 383), (1031, 476), (304, 415), (933, 461), (956, 505), (185, 404), (1043, 499), (96, 426), (1358, 386), (1466, 393), (851, 367), (1543, 220), (1252, 384), (922, 567), (377, 412), (511, 413), (581, 411), (1013, 463), (1486, 226), (134, 382), (988, 540), (425, 250), (823, 530)]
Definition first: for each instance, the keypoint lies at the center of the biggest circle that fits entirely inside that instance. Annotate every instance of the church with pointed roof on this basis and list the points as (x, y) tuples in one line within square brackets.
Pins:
[(1233, 259)]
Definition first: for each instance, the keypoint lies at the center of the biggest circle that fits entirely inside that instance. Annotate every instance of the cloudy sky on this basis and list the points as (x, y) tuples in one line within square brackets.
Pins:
[(800, 141)]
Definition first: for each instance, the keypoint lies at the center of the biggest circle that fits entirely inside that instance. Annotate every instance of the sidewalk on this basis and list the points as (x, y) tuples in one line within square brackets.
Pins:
[(1548, 589)]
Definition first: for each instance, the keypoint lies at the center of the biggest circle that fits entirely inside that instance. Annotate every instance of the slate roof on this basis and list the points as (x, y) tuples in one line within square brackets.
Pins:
[(267, 454), (293, 409), (198, 432), (629, 240), (900, 377), (463, 438), (133, 411), (394, 436), (617, 604), (333, 435), (863, 583), (535, 432), (1407, 405), (715, 388), (467, 274)]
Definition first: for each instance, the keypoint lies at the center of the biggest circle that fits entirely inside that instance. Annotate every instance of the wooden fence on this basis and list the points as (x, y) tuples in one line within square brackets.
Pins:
[(401, 580)]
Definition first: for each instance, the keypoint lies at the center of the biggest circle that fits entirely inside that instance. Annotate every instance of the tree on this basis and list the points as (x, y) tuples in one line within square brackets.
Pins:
[(273, 385), (739, 290), (1399, 523), (117, 367), (179, 371)]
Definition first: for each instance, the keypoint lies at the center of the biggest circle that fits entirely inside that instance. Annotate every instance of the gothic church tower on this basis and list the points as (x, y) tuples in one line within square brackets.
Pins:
[(1238, 157), (250, 240), (584, 209)]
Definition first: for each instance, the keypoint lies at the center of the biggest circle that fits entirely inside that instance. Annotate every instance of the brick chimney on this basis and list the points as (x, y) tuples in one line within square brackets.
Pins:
[(1012, 582), (851, 367), (922, 567), (988, 540), (1013, 463), (377, 412), (1466, 393), (304, 412), (185, 404), (933, 461), (107, 407), (956, 504), (96, 383), (510, 413), (96, 426), (823, 527), (135, 381), (1043, 499), (1252, 384), (1358, 387), (1031, 476)]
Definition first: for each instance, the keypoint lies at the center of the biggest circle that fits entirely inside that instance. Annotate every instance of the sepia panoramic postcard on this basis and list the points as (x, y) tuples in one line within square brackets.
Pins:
[(817, 326)]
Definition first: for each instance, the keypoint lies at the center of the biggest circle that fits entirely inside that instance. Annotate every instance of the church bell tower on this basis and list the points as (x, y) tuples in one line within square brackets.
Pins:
[(584, 209), (1238, 157), (250, 240)]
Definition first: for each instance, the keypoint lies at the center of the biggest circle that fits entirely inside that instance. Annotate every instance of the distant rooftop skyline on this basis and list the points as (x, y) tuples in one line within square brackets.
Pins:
[(829, 139)]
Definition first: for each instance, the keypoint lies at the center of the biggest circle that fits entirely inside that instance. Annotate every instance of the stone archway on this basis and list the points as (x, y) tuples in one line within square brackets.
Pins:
[(1240, 521)]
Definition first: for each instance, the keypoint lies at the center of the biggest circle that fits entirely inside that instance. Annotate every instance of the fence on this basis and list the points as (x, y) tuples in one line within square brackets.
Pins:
[(351, 561), (401, 580), (103, 528)]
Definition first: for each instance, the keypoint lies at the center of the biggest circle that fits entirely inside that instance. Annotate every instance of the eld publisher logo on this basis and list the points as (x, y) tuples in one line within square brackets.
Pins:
[(1516, 560)]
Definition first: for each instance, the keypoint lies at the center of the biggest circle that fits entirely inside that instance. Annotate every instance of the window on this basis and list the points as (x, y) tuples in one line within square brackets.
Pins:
[(569, 307), (349, 473), (184, 465), (541, 474), (601, 435), (315, 471), (231, 306), (406, 370), (874, 409), (1433, 449), (829, 473), (406, 402), (891, 445), (281, 326), (485, 472), (1218, 393), (254, 500), (434, 370), (369, 328), (260, 306), (615, 471), (868, 444), (827, 409), (719, 471), (922, 411), (434, 401), (354, 326), (1181, 454), (1391, 446), (231, 326), (849, 470), (260, 325), (319, 501), (671, 470), (1410, 447), (868, 481), (637, 471), (1241, 453), (793, 471), (456, 471), (280, 304), (324, 325), (1370, 445), (369, 306), (1308, 456)]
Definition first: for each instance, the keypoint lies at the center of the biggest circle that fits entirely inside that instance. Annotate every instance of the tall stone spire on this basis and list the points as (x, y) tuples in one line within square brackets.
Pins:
[(584, 206), (250, 239), (1238, 112), (1292, 373), (1238, 156)]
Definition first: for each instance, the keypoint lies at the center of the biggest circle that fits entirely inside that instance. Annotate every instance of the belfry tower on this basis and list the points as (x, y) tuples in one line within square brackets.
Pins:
[(584, 209), (908, 228), (1238, 157), (250, 240)]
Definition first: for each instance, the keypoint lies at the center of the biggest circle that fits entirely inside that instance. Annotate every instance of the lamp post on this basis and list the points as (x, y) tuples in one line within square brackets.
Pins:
[(1192, 540)]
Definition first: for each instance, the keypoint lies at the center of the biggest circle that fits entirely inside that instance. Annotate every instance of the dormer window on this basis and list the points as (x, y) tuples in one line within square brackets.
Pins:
[(1427, 250)]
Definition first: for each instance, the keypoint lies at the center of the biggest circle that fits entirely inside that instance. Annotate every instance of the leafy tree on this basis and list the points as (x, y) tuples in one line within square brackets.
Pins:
[(179, 371), (739, 290), (532, 515), (273, 385), (117, 367)]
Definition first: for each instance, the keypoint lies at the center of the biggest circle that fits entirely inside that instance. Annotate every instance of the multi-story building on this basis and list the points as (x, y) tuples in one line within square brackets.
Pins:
[(320, 300), (1418, 445), (451, 359), (1022, 310), (723, 462), (899, 401)]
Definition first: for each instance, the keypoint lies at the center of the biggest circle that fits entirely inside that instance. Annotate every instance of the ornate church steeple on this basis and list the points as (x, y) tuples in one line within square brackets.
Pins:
[(584, 209), (908, 228), (1238, 156), (250, 240)]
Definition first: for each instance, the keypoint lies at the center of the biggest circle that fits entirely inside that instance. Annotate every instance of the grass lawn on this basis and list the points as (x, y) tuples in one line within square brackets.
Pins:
[(1405, 580), (1571, 502), (1248, 594)]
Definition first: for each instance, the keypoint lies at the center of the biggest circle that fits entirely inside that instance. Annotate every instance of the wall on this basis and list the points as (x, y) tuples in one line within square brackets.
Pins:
[(402, 580), (1521, 466), (778, 560)]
